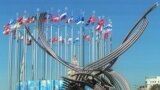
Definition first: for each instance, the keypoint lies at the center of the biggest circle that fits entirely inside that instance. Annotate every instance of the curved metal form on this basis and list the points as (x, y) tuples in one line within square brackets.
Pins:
[(128, 42), (97, 75)]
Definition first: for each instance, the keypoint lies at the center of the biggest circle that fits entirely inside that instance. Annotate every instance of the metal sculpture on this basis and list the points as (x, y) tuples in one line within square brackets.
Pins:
[(98, 75)]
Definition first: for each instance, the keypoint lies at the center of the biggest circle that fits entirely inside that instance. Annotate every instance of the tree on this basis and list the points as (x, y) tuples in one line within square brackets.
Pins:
[(155, 87)]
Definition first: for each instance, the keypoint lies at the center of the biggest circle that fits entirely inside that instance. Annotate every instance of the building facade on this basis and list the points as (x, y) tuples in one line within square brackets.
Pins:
[(150, 81), (141, 88)]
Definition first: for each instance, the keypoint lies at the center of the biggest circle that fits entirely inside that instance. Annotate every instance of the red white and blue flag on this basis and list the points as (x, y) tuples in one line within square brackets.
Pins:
[(63, 16), (108, 29)]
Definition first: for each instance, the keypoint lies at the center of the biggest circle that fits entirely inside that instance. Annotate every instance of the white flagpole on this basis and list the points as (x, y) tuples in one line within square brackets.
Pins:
[(25, 57), (72, 50), (10, 61), (16, 58), (110, 44), (82, 43), (93, 40), (98, 43), (96, 51), (33, 78), (66, 48), (58, 53), (25, 60), (46, 57), (78, 54), (89, 50), (36, 50), (102, 37), (64, 73), (93, 44), (61, 56), (58, 48), (51, 44)]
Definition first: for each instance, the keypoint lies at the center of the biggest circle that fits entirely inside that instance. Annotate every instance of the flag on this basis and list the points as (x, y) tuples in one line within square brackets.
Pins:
[(22, 37), (63, 16), (70, 20), (69, 39), (24, 21), (101, 22), (55, 19), (108, 29), (63, 41), (31, 19), (6, 29), (91, 20), (20, 20), (47, 18), (107, 33), (98, 28), (87, 37), (12, 21), (79, 20), (76, 40), (60, 38), (55, 39), (108, 26), (29, 41)]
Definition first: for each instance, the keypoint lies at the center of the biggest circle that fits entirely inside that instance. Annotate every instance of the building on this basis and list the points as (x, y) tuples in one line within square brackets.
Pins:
[(150, 81), (71, 72), (141, 88)]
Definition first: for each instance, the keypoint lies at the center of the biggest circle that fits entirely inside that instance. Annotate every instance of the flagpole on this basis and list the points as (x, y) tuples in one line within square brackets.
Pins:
[(110, 44), (65, 25), (66, 48), (25, 60), (102, 48), (10, 61), (96, 51), (33, 51), (72, 42), (110, 41), (61, 55), (74, 49), (25, 57), (93, 40), (16, 58), (51, 35), (46, 57), (98, 42), (41, 64), (93, 44), (36, 50), (89, 48), (82, 42), (58, 54)]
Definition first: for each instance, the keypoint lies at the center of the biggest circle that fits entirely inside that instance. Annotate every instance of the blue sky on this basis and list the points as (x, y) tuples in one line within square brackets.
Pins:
[(139, 61)]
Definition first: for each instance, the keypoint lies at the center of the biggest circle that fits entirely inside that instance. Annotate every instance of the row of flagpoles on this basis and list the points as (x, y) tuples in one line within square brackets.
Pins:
[(90, 43)]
